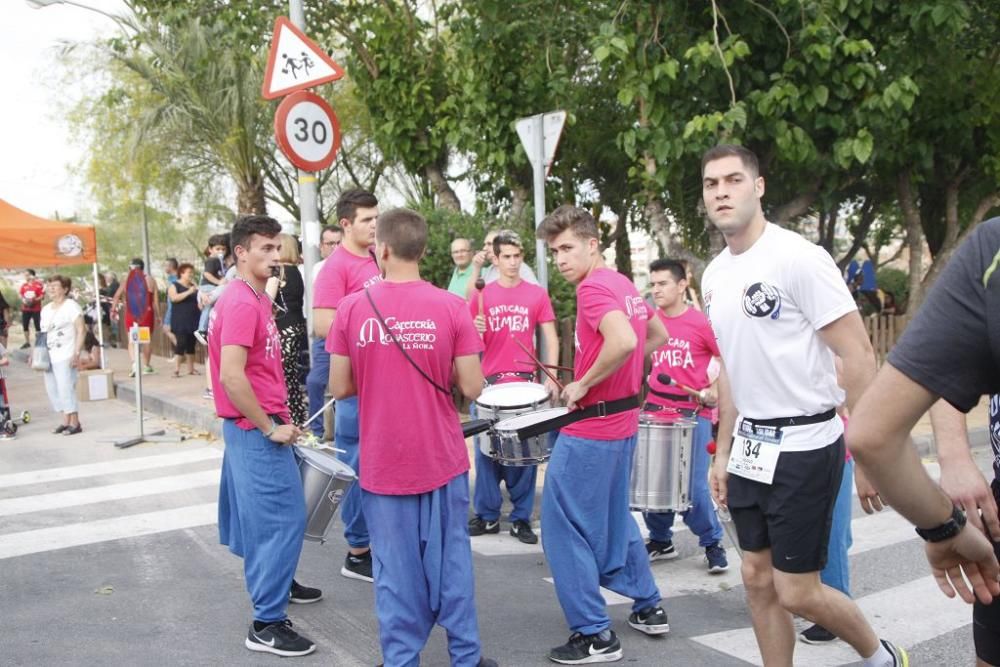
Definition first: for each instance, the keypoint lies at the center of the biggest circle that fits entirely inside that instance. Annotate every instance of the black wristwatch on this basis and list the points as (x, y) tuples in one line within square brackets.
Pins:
[(946, 530)]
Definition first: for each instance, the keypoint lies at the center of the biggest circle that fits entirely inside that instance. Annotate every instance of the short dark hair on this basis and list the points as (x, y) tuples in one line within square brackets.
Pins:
[(248, 225), (137, 263), (336, 229), (404, 231), (61, 279), (219, 239), (506, 237), (30, 272), (172, 263), (746, 156), (675, 267), (567, 216), (350, 201), (181, 268)]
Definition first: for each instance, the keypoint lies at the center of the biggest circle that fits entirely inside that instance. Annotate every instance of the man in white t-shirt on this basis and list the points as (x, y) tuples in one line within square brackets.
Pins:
[(780, 311)]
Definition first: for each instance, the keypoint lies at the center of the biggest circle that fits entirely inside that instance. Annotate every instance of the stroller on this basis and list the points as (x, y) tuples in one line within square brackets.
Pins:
[(8, 427)]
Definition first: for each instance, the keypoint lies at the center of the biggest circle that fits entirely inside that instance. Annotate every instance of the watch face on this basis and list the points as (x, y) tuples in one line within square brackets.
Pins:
[(69, 245)]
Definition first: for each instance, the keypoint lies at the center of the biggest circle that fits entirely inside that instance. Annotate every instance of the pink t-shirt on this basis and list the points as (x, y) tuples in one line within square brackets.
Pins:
[(243, 317), (603, 291), (685, 357), (343, 273), (410, 433), (511, 313)]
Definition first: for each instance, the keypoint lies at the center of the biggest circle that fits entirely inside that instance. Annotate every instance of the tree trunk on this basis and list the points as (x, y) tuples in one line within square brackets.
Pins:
[(520, 198), (860, 233), (914, 239), (953, 241), (250, 196), (798, 206), (446, 197), (659, 225)]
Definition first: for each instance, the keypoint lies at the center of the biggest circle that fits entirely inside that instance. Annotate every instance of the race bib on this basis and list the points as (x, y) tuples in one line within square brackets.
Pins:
[(755, 451)]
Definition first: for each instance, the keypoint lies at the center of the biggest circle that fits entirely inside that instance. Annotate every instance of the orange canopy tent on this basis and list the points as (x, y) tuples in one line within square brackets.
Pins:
[(29, 242)]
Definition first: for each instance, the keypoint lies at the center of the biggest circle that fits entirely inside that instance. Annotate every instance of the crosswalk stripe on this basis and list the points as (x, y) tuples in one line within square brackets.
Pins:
[(108, 467), (91, 532), (898, 614), (76, 497)]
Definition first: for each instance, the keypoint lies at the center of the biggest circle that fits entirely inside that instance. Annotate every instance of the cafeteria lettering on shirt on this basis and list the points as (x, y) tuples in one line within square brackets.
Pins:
[(601, 292), (684, 357), (511, 314), (410, 432), (243, 317), (343, 273)]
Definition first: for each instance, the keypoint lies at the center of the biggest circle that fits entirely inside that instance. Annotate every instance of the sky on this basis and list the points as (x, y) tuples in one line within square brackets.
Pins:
[(35, 148)]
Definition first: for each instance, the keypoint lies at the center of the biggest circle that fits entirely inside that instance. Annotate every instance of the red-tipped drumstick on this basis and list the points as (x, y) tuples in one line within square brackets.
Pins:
[(480, 284), (538, 363), (666, 379)]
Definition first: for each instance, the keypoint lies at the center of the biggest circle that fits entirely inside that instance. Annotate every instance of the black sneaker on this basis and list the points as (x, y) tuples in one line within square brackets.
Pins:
[(522, 530), (586, 649), (660, 550), (652, 621), (898, 654), (482, 527), (304, 594), (280, 639), (715, 554), (816, 634), (358, 567)]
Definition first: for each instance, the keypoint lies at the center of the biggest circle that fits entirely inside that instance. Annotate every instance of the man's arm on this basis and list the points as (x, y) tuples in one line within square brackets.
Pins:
[(323, 321), (619, 342), (154, 289), (341, 376), (550, 353), (232, 374), (719, 476), (960, 478), (115, 299), (469, 376), (656, 335), (847, 337)]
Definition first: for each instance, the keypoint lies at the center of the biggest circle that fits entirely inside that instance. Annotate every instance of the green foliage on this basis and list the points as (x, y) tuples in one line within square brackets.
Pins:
[(895, 281)]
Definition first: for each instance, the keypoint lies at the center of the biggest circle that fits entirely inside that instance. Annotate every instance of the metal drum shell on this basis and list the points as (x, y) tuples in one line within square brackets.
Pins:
[(325, 480), (507, 453), (512, 451), (661, 466)]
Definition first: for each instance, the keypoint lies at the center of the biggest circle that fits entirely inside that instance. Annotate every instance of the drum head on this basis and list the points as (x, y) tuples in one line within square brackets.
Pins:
[(513, 395), (520, 421), (325, 461), (667, 418)]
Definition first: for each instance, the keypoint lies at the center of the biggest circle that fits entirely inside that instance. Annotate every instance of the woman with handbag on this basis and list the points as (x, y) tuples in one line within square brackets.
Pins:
[(64, 332)]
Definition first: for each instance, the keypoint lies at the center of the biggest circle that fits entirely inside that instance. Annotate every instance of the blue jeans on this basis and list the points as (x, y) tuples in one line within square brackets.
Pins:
[(701, 518), (316, 381), (588, 534), (837, 573), (520, 482), (207, 310), (422, 565), (346, 438), (262, 516)]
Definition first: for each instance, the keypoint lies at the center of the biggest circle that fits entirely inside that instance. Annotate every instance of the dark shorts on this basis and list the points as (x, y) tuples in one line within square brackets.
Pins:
[(185, 343), (986, 617), (28, 316), (792, 515)]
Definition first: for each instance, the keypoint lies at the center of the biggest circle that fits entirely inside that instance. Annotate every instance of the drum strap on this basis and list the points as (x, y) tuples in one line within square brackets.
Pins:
[(400, 346), (599, 409), (671, 397), (520, 375)]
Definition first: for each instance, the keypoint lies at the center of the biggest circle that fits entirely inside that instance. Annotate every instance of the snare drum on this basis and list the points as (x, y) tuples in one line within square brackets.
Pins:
[(510, 450), (661, 467), (325, 480), (503, 401)]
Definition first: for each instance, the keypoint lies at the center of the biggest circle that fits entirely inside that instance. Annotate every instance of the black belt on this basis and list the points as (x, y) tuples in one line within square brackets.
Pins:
[(671, 397), (521, 375), (683, 412), (794, 421), (599, 409)]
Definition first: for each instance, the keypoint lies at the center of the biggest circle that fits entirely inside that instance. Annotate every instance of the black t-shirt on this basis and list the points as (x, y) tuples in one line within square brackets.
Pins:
[(214, 266), (290, 299), (952, 346)]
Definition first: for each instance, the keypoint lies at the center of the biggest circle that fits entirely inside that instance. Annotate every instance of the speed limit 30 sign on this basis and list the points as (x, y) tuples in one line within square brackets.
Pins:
[(307, 131)]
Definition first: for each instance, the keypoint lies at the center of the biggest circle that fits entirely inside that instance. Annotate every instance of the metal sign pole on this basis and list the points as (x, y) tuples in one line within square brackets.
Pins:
[(538, 169)]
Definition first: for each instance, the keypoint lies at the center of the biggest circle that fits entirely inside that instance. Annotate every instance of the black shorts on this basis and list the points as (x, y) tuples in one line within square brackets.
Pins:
[(31, 316), (986, 617), (185, 343), (792, 515)]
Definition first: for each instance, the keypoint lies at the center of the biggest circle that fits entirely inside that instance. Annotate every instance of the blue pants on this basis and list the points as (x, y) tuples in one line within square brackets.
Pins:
[(701, 518), (262, 516), (588, 534), (346, 437), (837, 573), (316, 381), (520, 482), (207, 310), (422, 563)]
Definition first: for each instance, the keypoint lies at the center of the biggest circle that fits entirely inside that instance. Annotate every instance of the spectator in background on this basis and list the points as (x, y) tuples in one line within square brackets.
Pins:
[(90, 353), (4, 320), (329, 239), (484, 266), (62, 322), (461, 255), (888, 303), (142, 307), (170, 268), (108, 286), (288, 293), (183, 295), (31, 304), (213, 276)]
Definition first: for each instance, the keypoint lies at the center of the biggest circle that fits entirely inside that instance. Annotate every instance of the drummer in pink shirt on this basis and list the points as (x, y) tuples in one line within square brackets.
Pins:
[(405, 338), (685, 359), (512, 309), (588, 534), (262, 514)]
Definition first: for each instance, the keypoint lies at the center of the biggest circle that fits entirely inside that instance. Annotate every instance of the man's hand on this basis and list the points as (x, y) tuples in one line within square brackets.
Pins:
[(967, 488), (868, 496), (970, 554), (573, 393), (285, 434), (708, 397), (553, 388), (718, 481), (480, 322), (479, 259)]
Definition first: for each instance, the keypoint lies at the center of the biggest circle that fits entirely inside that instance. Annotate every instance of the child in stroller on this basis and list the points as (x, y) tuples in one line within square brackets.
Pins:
[(8, 429)]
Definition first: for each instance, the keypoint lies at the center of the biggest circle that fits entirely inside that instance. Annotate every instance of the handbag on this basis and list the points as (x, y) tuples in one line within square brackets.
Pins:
[(40, 353)]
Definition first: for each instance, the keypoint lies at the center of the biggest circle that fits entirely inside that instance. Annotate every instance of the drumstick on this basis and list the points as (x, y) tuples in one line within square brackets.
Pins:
[(480, 284), (538, 362), (666, 379), (318, 412), (552, 366)]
